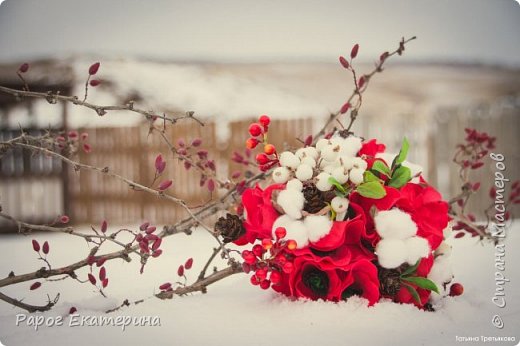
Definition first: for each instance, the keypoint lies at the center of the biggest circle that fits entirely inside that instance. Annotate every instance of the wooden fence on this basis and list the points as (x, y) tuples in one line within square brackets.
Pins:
[(90, 197)]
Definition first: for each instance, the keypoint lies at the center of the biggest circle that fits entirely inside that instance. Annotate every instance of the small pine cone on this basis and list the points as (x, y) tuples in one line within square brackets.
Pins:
[(230, 227), (314, 201), (389, 281)]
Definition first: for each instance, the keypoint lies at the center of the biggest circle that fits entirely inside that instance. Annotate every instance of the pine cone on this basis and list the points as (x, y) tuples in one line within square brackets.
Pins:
[(314, 201), (389, 281), (230, 227)]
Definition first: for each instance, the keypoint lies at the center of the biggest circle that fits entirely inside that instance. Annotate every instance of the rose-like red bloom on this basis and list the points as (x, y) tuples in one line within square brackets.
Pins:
[(361, 280), (427, 209), (260, 213), (370, 149), (404, 296)]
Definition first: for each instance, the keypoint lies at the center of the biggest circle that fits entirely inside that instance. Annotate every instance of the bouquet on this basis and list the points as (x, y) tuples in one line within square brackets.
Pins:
[(340, 218)]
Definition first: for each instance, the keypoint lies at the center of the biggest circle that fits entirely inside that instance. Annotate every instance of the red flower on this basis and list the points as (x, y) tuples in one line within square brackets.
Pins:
[(404, 296), (427, 209), (260, 213), (371, 148), (362, 280)]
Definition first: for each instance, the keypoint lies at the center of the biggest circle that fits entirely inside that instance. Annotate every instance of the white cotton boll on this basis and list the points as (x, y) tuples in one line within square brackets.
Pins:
[(297, 231), (294, 184), (356, 176), (322, 181), (391, 253), (340, 174), (359, 163), (329, 169), (442, 271), (289, 160), (304, 172), (345, 161), (350, 146), (292, 202), (309, 161), (395, 223), (330, 152), (300, 153), (311, 152), (282, 221), (322, 143), (281, 175), (444, 249), (339, 204), (318, 226), (417, 247)]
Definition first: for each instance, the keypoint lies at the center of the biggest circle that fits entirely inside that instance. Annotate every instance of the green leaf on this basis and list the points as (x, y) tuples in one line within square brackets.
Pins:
[(400, 177), (413, 292), (369, 176), (421, 282), (402, 153), (381, 167), (371, 189), (338, 186), (411, 269)]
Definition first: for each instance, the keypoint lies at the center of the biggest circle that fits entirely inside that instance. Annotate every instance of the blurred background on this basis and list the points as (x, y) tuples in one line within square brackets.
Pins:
[(230, 61)]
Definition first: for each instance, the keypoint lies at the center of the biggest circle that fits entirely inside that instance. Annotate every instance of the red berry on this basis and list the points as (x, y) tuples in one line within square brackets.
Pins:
[(262, 159), (261, 273), (456, 289), (94, 83), (344, 109), (264, 120), (246, 268), (275, 277), (258, 250), (72, 310), (35, 245), (93, 68), (269, 149), (287, 267), (265, 284), (104, 282), (459, 235), (344, 62), (267, 243), (255, 129), (280, 232), (180, 271), (64, 219), (361, 82), (291, 244), (354, 51), (45, 247), (24, 68), (196, 142), (188, 264), (156, 253), (254, 280), (251, 143), (101, 261), (150, 229)]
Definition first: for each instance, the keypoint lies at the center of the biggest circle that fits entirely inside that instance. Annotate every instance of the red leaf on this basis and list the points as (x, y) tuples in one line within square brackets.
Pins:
[(35, 285), (189, 263), (354, 51), (45, 248), (93, 69), (165, 185)]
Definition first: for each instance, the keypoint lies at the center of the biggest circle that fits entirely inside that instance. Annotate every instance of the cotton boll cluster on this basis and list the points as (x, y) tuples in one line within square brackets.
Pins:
[(311, 229), (442, 271), (399, 242), (292, 200), (338, 159)]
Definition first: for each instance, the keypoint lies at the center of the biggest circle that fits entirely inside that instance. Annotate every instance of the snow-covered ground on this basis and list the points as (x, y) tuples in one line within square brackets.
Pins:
[(233, 312)]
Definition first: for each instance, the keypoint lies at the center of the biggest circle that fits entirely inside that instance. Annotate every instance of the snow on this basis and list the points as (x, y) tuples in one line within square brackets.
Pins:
[(234, 312)]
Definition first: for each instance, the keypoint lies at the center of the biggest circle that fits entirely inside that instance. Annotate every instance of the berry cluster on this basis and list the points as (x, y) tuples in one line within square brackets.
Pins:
[(148, 241), (167, 286), (269, 260), (258, 131), (68, 143)]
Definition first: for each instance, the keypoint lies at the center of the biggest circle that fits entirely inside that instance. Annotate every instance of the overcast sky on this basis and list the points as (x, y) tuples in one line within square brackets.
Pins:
[(260, 30)]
